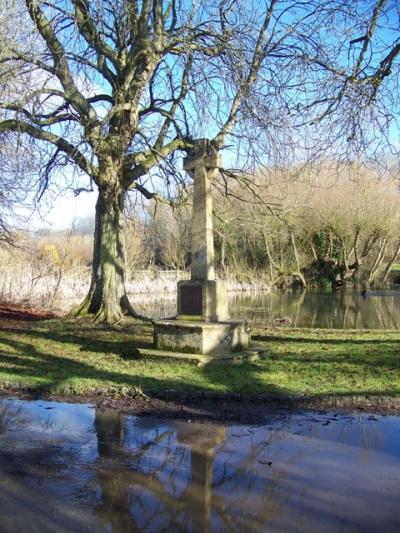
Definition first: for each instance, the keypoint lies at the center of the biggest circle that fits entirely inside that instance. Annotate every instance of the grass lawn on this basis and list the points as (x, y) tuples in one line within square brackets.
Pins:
[(58, 354)]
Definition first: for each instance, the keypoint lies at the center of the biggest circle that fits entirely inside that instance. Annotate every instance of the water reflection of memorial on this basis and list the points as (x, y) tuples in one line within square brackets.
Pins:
[(74, 468), (141, 491)]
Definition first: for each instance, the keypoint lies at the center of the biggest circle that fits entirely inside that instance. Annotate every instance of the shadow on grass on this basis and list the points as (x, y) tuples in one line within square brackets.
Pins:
[(29, 360), (322, 340), (97, 339), (57, 370)]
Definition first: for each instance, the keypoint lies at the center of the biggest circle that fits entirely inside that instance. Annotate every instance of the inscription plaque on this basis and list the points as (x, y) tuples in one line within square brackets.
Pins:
[(191, 300)]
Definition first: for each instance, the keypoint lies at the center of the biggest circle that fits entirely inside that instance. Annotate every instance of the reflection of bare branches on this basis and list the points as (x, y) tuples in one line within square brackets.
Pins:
[(126, 492), (125, 489), (126, 478), (255, 451), (180, 477), (140, 496), (11, 414), (244, 479), (150, 493)]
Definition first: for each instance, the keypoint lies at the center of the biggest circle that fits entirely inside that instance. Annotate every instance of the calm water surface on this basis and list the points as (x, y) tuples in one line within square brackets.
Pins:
[(343, 310), (75, 468)]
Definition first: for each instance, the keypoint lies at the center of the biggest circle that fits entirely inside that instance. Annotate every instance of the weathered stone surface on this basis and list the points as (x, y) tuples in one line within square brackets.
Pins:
[(202, 165), (229, 358), (206, 338), (203, 328), (203, 299)]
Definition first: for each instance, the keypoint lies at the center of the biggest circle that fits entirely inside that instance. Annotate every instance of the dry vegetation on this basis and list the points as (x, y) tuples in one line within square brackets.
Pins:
[(53, 272), (329, 228), (46, 271)]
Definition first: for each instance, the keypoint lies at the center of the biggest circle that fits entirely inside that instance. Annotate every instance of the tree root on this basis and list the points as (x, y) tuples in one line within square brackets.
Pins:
[(128, 310), (102, 314), (80, 310)]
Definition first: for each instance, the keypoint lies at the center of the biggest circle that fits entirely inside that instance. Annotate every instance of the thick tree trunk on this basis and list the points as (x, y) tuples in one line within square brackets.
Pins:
[(107, 299)]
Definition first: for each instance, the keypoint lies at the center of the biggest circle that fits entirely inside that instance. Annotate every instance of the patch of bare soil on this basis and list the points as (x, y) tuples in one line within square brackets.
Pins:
[(220, 408), (17, 313)]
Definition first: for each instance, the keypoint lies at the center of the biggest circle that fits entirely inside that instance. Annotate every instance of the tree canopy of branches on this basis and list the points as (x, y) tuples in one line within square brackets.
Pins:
[(16, 164), (356, 103), (119, 87)]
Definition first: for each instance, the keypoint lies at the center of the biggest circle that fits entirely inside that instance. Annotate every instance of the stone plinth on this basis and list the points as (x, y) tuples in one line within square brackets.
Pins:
[(202, 300), (206, 338)]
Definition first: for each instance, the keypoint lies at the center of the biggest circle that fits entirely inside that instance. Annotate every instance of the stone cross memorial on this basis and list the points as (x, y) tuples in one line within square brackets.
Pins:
[(202, 326), (202, 297)]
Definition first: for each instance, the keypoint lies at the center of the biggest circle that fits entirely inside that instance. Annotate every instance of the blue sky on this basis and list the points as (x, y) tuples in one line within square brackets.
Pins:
[(60, 212)]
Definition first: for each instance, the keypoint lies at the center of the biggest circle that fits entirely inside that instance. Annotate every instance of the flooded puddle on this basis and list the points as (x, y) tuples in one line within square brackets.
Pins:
[(71, 467)]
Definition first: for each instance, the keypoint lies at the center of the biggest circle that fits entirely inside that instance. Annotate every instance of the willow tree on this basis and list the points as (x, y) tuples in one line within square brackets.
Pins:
[(120, 87)]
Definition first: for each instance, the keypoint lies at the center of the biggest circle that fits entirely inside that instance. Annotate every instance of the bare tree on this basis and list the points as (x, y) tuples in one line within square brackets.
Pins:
[(16, 163), (355, 105), (120, 87)]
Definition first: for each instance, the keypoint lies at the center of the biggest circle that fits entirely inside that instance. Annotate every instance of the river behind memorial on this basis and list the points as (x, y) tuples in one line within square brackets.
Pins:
[(350, 309), (73, 467)]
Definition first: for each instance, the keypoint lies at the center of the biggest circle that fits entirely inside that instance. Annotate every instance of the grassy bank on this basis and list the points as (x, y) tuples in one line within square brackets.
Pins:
[(58, 356)]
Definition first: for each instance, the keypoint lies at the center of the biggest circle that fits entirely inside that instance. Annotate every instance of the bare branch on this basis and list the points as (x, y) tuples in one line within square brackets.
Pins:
[(42, 135)]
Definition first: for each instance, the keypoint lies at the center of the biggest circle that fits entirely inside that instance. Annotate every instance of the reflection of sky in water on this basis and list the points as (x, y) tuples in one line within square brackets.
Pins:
[(303, 472), (326, 471), (69, 426), (57, 418), (342, 309)]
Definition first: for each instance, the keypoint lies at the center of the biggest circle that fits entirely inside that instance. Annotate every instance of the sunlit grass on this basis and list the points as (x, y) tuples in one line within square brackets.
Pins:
[(80, 357)]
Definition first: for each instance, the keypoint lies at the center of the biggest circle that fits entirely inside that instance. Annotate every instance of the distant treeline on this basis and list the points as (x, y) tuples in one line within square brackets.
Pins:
[(335, 226), (330, 228)]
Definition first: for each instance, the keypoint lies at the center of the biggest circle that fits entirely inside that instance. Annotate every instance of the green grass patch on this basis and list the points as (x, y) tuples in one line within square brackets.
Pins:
[(53, 355)]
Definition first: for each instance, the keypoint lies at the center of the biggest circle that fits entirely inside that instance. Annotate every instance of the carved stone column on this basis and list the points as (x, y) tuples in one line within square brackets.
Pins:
[(202, 327), (202, 166), (202, 297)]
